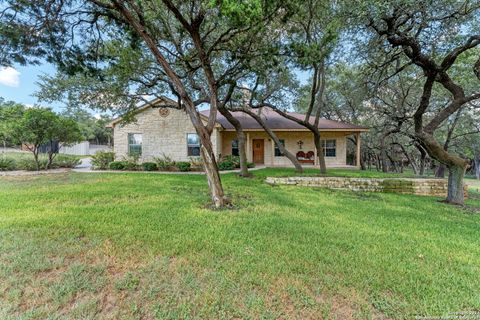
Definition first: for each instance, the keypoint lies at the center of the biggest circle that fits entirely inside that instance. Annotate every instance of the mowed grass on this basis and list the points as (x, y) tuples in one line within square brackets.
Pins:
[(147, 246)]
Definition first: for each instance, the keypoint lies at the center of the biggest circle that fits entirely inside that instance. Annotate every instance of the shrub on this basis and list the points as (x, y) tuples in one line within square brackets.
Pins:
[(117, 165), (30, 165), (102, 159), (64, 161), (131, 163), (196, 162), (234, 159), (250, 165), (226, 165), (183, 166), (149, 166), (164, 162), (7, 164)]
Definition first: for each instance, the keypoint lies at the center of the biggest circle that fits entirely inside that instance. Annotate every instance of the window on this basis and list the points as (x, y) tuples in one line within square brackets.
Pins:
[(193, 145), (277, 149), (135, 144), (329, 148), (235, 148)]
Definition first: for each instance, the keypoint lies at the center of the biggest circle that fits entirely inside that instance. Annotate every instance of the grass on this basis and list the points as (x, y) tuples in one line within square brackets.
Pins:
[(135, 245), (25, 161)]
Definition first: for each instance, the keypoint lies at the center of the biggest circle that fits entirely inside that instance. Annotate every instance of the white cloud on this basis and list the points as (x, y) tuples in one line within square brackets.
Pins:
[(9, 77)]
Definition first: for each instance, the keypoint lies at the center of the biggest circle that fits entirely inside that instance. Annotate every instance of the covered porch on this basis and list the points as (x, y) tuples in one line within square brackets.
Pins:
[(262, 151)]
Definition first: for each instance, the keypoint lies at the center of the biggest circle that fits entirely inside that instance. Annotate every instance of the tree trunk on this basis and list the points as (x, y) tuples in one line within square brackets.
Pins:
[(213, 176), (273, 136), (35, 157), (378, 164), (476, 160), (383, 154), (242, 153), (362, 163), (440, 172), (392, 163), (423, 156), (241, 140), (320, 155), (456, 166), (455, 184)]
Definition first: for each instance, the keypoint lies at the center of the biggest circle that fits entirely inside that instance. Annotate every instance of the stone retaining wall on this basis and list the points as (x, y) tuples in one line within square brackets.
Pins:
[(425, 187)]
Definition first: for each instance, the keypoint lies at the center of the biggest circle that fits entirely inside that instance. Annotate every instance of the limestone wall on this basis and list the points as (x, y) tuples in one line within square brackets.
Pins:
[(426, 187), (161, 135)]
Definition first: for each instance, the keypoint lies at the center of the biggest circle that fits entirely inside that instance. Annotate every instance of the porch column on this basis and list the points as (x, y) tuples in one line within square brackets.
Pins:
[(272, 158), (358, 155), (249, 153)]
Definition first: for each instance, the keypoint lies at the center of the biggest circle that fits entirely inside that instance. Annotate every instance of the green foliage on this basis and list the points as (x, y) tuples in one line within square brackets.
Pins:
[(64, 161), (149, 166), (226, 165), (196, 162), (7, 164), (250, 165), (234, 159), (102, 159), (10, 113), (183, 166), (164, 162), (117, 165), (34, 128)]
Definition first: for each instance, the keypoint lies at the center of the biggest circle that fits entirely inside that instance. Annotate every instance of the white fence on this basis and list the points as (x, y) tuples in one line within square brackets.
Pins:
[(83, 149)]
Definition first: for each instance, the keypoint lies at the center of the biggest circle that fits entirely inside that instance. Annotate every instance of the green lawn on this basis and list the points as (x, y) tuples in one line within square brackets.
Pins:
[(143, 246)]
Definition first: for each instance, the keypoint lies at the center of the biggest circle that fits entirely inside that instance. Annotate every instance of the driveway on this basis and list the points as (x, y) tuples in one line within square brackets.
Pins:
[(84, 166)]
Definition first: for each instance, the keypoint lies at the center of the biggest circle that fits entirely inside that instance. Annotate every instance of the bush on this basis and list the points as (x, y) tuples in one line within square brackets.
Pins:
[(102, 159), (131, 163), (232, 162), (164, 163), (30, 165), (7, 164), (196, 162), (233, 159), (226, 165), (149, 166), (117, 165), (183, 166), (64, 161)]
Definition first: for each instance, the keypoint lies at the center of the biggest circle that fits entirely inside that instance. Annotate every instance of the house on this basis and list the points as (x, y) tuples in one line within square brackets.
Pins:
[(161, 131)]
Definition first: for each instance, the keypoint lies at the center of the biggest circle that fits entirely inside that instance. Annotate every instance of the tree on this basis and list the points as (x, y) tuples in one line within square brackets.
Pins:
[(10, 113), (33, 130), (61, 132), (310, 36), (114, 53), (428, 37)]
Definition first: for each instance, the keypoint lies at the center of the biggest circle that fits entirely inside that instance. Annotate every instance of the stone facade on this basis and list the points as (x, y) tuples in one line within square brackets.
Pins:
[(160, 134), (165, 132), (425, 187)]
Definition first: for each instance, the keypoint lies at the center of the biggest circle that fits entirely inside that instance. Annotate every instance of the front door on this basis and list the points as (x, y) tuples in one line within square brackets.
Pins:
[(258, 151)]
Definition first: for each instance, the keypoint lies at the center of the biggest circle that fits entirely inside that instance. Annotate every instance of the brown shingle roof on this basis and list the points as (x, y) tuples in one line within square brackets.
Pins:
[(277, 122)]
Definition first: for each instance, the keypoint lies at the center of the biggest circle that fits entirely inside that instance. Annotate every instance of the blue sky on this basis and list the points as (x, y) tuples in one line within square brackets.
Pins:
[(19, 83)]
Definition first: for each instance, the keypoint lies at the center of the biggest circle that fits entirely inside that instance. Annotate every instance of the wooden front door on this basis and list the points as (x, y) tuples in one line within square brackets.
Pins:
[(258, 151)]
